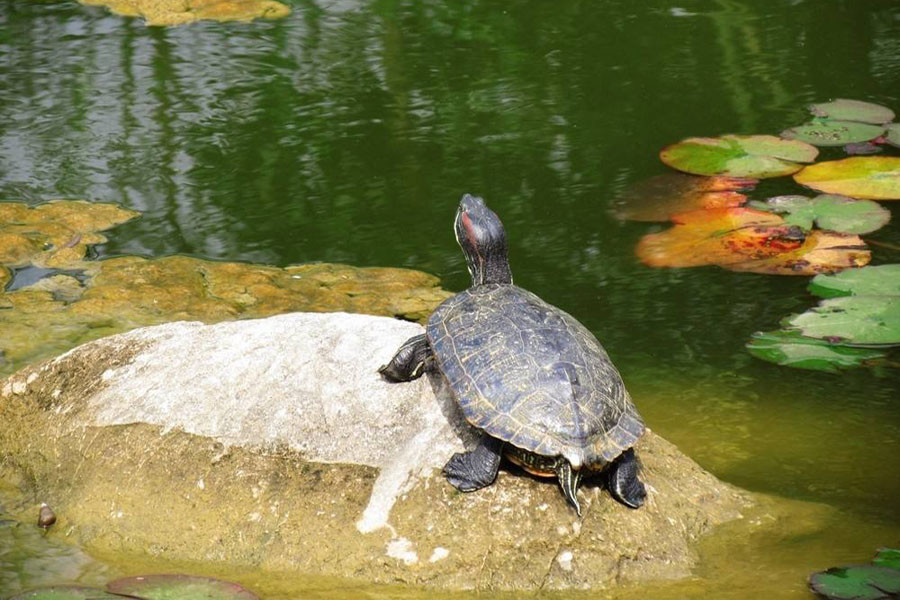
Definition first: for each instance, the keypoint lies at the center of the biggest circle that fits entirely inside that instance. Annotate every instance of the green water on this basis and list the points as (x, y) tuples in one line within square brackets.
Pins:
[(347, 132)]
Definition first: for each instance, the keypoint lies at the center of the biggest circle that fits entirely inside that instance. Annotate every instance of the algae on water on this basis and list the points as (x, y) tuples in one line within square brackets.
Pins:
[(179, 12)]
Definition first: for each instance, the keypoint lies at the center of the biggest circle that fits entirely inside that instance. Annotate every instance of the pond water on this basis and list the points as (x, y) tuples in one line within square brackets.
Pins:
[(347, 131)]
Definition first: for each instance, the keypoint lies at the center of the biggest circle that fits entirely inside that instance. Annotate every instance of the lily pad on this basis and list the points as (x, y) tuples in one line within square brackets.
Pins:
[(718, 236), (756, 156), (882, 280), (887, 557), (873, 177), (863, 148), (66, 592), (791, 349), (166, 12), (853, 110), (864, 582), (853, 320), (820, 252), (828, 132), (179, 587), (832, 212), (892, 134), (657, 198)]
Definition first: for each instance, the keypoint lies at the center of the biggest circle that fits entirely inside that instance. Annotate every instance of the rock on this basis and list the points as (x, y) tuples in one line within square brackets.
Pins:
[(273, 444)]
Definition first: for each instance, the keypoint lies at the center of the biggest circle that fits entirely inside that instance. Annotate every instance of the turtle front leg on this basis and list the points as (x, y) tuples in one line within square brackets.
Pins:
[(623, 482), (410, 362), (473, 470)]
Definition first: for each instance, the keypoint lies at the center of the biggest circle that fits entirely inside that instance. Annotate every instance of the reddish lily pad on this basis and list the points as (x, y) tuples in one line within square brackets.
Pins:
[(873, 177), (882, 280), (828, 132), (657, 198), (179, 587), (863, 148), (66, 592), (892, 134), (792, 349), (862, 582), (831, 212), (756, 156), (718, 236), (820, 252), (853, 110), (852, 320)]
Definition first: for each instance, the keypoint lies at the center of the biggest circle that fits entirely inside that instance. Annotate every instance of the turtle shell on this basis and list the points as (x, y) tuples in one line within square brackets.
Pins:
[(530, 374)]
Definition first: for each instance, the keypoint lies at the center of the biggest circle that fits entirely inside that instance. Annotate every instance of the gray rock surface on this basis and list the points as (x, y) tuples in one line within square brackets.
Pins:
[(274, 444)]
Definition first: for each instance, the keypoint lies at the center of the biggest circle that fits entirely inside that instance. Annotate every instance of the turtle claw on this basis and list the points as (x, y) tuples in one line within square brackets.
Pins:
[(470, 471), (623, 481)]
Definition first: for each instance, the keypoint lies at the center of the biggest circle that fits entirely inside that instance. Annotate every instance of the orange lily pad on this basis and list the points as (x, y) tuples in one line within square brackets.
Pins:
[(744, 239), (660, 197), (871, 177), (719, 236)]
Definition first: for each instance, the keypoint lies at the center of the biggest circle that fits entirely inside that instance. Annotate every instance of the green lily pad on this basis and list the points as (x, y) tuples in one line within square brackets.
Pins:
[(66, 592), (179, 587), (832, 212), (883, 280), (828, 132), (892, 134), (873, 177), (887, 557), (863, 582), (791, 349), (755, 156), (853, 110), (853, 320)]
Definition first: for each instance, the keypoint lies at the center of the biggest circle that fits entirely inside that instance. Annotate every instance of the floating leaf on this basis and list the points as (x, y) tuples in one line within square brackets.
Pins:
[(828, 132), (832, 212), (862, 148), (874, 177), (887, 557), (756, 156), (791, 349), (853, 110), (853, 320), (66, 592), (821, 252), (883, 280), (864, 582), (718, 236), (657, 198), (892, 135), (180, 587)]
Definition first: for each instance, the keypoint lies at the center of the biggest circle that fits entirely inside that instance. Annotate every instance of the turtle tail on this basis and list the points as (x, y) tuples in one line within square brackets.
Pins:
[(569, 480)]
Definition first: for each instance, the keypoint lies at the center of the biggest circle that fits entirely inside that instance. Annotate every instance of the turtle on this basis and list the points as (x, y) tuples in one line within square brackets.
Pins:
[(535, 381)]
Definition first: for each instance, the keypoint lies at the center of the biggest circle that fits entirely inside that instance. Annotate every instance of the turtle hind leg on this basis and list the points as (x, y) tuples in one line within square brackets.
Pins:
[(623, 482), (410, 362), (473, 470), (569, 480)]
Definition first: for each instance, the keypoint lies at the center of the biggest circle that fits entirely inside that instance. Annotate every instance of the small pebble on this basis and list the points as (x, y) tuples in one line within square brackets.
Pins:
[(46, 517)]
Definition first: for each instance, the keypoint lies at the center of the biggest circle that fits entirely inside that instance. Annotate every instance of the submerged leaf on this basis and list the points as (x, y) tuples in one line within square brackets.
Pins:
[(882, 280), (181, 587), (862, 148), (827, 132), (792, 349), (853, 320), (864, 582), (873, 177), (657, 198), (853, 110), (756, 156), (66, 592)]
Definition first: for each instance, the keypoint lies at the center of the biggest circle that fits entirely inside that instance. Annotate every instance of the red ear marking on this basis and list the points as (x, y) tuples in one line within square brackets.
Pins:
[(467, 223)]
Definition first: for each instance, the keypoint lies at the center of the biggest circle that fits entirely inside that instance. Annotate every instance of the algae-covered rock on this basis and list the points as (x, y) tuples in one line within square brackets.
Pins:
[(274, 444), (179, 12)]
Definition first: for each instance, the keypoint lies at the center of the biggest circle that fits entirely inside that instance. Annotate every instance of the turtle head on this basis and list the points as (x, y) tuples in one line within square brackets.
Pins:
[(480, 234)]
